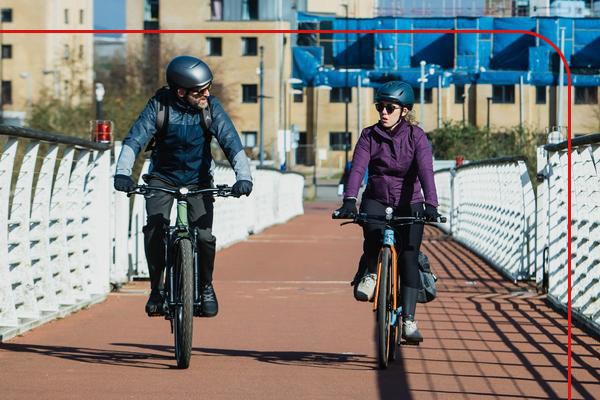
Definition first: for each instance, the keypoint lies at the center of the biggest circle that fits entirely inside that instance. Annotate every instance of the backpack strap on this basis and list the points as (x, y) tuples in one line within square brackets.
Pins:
[(162, 117)]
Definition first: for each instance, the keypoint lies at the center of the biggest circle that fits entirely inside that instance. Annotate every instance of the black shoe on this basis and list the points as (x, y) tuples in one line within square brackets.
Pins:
[(210, 306), (154, 306)]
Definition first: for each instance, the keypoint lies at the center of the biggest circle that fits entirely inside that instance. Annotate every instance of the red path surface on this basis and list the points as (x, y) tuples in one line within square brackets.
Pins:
[(289, 328)]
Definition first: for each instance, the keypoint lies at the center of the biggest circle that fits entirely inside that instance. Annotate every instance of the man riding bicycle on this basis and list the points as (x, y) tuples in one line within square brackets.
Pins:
[(181, 156)]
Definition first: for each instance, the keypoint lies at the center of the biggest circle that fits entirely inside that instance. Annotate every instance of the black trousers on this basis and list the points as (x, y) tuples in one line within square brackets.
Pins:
[(408, 242), (200, 218)]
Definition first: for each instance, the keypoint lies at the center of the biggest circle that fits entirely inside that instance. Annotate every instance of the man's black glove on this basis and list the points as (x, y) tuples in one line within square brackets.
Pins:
[(431, 213), (241, 187), (347, 210), (124, 183)]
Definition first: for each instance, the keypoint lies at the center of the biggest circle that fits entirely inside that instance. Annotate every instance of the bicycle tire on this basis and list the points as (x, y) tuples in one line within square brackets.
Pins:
[(384, 309), (184, 311)]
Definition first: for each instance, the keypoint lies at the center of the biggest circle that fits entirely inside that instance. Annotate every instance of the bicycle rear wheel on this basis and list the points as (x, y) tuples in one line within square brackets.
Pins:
[(183, 319), (384, 309)]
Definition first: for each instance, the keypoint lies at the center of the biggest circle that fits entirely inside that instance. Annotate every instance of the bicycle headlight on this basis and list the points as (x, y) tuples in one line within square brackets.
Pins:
[(183, 191)]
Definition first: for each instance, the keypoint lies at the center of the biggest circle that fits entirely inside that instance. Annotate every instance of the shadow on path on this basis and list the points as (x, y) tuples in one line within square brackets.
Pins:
[(94, 356), (290, 358)]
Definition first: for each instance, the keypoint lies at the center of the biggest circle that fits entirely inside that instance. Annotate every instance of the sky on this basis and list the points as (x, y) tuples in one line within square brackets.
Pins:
[(109, 14)]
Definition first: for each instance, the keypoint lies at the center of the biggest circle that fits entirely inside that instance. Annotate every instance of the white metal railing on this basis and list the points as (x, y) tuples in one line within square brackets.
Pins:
[(48, 265), (552, 193), (491, 206), (493, 212), (64, 230)]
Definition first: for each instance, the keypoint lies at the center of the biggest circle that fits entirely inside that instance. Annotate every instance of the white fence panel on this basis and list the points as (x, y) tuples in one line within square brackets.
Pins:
[(49, 245), (585, 226), (19, 258), (8, 311)]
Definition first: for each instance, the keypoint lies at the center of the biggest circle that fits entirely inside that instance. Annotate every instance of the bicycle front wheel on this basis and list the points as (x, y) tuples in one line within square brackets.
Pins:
[(183, 320), (384, 308)]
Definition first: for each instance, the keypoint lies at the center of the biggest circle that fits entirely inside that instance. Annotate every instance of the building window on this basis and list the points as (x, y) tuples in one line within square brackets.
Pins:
[(428, 95), (7, 51), (249, 93), (459, 94), (214, 46), (151, 9), (81, 17), (586, 95), (339, 95), (503, 94), (66, 16), (66, 52), (249, 138), (540, 95), (80, 51), (7, 15), (6, 92), (299, 97), (340, 140), (249, 9), (249, 46), (522, 11), (216, 10)]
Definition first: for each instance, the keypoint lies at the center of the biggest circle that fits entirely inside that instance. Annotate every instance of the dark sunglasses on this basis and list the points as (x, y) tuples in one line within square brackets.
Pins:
[(199, 92), (390, 108)]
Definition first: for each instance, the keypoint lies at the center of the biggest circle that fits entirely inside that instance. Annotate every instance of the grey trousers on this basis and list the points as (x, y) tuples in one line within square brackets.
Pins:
[(200, 217)]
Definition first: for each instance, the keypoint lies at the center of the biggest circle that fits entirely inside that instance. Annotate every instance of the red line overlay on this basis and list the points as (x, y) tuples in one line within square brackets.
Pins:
[(391, 31)]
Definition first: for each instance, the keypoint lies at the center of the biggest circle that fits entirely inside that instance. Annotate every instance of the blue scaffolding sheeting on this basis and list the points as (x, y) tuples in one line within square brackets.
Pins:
[(489, 58)]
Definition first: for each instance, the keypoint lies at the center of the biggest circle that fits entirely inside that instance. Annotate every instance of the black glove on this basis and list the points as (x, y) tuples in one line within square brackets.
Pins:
[(241, 187), (431, 213), (124, 183), (347, 210)]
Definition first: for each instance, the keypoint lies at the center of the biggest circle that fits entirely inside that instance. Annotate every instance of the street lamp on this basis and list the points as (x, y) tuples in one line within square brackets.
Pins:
[(99, 97), (422, 81), (346, 90), (261, 154), (315, 130), (290, 81)]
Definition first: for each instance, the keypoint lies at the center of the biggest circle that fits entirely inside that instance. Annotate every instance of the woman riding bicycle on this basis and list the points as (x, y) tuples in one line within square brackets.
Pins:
[(399, 158)]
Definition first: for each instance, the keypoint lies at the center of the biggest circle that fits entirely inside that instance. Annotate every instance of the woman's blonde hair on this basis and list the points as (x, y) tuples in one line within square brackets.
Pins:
[(410, 117)]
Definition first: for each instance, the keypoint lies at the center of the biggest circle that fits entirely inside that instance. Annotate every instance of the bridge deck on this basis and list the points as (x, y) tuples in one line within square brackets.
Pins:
[(289, 327)]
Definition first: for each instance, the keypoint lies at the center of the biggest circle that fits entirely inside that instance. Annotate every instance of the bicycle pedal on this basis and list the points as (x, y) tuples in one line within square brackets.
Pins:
[(155, 314)]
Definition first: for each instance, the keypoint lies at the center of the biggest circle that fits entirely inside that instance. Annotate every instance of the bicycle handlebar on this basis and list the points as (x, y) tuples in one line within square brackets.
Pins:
[(362, 218), (184, 192)]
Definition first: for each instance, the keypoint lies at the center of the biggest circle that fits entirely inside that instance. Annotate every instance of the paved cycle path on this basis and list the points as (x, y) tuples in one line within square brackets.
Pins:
[(289, 328)]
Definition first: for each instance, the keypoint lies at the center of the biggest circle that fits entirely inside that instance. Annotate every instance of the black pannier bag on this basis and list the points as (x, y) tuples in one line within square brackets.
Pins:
[(427, 291)]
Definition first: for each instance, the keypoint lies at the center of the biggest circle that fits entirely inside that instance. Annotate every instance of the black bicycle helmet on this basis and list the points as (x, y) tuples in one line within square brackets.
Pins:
[(188, 72), (396, 92)]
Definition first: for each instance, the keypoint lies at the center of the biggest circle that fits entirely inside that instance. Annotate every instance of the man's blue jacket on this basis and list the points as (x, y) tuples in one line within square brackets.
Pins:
[(182, 153)]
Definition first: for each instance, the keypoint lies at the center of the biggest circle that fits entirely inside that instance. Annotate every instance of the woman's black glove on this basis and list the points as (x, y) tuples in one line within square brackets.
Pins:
[(431, 213), (124, 183), (241, 187), (347, 210)]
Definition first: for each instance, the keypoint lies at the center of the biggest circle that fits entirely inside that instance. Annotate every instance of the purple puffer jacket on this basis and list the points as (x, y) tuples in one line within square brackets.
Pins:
[(400, 163)]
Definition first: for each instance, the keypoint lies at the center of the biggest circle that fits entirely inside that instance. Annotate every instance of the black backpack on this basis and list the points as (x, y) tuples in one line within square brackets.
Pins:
[(162, 118)]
